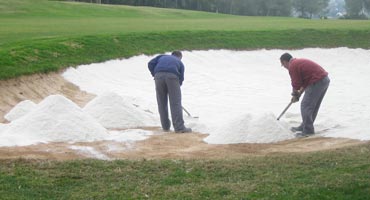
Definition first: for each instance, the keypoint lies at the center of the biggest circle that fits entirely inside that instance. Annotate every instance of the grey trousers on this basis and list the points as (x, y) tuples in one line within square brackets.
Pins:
[(167, 85), (311, 102)]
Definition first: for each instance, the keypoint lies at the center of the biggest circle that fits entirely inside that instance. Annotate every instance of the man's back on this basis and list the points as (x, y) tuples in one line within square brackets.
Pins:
[(168, 63), (305, 72)]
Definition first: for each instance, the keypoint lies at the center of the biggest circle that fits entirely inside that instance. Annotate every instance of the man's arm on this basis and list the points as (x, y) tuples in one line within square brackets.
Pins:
[(182, 71), (152, 63), (295, 76), (296, 94)]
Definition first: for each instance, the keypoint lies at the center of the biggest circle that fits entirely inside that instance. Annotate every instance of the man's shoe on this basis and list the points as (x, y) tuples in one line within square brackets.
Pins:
[(301, 134), (185, 130), (296, 129), (167, 128)]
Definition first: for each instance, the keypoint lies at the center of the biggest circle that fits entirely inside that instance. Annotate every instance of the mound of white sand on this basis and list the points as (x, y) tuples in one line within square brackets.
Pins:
[(21, 109), (3, 127), (55, 119), (114, 112), (251, 129)]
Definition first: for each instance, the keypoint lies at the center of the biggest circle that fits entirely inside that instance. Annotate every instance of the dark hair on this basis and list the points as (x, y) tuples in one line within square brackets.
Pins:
[(177, 54), (286, 57)]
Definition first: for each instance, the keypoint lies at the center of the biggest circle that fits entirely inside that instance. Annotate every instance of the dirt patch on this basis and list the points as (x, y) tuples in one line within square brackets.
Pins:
[(36, 88), (159, 146), (169, 146)]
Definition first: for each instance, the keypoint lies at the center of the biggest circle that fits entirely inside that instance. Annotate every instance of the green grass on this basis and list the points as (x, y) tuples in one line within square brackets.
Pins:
[(35, 19), (46, 55), (337, 174), (42, 36)]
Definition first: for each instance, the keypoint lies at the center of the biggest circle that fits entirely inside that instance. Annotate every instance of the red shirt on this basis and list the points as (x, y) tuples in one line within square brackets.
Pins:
[(304, 72)]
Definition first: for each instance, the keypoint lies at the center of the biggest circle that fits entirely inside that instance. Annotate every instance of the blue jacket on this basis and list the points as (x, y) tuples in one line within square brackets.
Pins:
[(167, 63)]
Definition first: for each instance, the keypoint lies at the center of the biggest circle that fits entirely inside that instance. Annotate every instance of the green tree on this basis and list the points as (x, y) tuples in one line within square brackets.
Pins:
[(236, 7), (307, 9), (275, 7), (357, 9)]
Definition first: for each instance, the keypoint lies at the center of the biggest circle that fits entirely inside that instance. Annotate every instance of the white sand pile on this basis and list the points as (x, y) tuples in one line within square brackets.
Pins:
[(114, 112), (3, 127), (249, 129), (55, 119), (21, 109)]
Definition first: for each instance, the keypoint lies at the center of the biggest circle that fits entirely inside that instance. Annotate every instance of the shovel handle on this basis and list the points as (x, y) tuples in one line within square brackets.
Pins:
[(286, 108), (186, 111)]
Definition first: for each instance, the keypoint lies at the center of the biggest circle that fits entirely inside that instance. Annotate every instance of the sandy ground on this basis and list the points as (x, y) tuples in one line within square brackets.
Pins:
[(36, 88), (159, 146)]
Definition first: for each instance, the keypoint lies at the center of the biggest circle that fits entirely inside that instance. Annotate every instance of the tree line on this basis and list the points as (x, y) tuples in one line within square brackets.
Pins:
[(356, 9)]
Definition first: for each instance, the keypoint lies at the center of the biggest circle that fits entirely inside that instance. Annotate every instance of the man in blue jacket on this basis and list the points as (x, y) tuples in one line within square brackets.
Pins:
[(168, 73)]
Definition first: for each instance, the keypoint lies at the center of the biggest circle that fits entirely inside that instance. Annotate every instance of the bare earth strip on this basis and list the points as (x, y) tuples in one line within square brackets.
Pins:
[(158, 146), (36, 88)]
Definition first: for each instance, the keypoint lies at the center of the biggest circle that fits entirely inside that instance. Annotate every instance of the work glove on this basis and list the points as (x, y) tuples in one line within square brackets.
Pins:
[(295, 96), (294, 99)]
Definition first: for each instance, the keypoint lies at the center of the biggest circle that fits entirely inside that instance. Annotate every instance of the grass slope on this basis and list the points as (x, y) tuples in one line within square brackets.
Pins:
[(338, 174), (41, 36)]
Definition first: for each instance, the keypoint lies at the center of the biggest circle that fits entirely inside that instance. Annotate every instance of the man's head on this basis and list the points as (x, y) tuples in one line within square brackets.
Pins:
[(284, 60), (177, 54)]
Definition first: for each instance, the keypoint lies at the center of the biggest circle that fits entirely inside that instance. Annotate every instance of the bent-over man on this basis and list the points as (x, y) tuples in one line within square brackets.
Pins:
[(168, 73), (310, 78)]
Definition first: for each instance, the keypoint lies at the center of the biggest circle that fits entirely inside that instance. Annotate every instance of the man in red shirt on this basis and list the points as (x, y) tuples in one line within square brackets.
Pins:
[(309, 77)]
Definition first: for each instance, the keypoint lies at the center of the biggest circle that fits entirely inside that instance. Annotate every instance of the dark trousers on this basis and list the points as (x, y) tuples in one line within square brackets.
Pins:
[(311, 102), (167, 86)]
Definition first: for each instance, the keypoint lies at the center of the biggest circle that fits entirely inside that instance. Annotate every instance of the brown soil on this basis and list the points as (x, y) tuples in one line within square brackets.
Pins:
[(36, 88), (161, 145)]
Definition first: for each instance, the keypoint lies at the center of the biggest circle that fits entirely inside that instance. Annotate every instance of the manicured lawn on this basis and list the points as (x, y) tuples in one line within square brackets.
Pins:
[(337, 174), (41, 36), (34, 19)]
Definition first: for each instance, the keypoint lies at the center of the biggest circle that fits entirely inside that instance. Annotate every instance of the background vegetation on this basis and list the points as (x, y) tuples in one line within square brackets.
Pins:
[(41, 36), (354, 9)]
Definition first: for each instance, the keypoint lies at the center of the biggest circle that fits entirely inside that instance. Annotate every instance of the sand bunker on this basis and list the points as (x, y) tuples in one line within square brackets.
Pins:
[(235, 92), (236, 109)]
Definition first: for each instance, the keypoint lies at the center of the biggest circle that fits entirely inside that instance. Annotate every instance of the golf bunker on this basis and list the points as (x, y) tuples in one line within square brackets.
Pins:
[(237, 96)]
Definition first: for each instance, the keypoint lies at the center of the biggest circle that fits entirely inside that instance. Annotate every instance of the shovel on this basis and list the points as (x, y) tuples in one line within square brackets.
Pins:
[(187, 112), (286, 108)]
